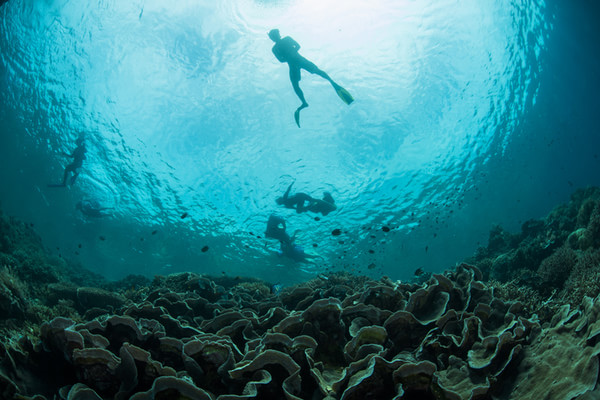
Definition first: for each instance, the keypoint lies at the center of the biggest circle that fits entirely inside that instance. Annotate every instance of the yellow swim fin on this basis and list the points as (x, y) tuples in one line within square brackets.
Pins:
[(344, 95)]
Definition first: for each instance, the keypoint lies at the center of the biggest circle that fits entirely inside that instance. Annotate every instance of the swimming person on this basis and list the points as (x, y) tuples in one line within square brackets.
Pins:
[(302, 202), (286, 51), (276, 229), (78, 156), (299, 201), (324, 206), (92, 208)]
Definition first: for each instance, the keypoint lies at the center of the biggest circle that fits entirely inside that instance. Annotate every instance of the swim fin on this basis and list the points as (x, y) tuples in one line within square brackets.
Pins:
[(297, 116), (344, 95)]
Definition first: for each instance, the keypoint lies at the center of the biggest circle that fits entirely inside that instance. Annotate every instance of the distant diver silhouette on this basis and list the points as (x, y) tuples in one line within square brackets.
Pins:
[(276, 230), (78, 156), (286, 51), (302, 202), (298, 201), (92, 208)]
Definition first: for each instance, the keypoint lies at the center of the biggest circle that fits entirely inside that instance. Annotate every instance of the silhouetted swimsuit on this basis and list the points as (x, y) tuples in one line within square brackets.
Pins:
[(286, 51)]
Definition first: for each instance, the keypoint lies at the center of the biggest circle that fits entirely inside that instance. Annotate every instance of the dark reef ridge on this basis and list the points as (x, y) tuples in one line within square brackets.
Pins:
[(520, 320)]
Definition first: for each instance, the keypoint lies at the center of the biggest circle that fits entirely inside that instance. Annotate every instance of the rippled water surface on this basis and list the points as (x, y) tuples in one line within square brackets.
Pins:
[(467, 114)]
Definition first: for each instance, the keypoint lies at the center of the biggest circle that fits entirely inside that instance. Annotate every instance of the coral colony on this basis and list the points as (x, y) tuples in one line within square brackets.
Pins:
[(518, 321)]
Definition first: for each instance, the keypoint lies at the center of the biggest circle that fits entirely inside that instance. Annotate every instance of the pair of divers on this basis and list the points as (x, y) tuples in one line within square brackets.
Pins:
[(301, 202), (286, 51)]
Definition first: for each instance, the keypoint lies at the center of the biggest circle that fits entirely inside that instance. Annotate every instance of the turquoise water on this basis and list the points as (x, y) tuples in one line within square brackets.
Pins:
[(467, 115)]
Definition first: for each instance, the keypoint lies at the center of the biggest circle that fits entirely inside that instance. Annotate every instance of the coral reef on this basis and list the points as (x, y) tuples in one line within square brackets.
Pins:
[(345, 338), (520, 323), (556, 256)]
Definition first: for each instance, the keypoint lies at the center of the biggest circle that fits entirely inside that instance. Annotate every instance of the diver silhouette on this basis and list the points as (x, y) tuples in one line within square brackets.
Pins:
[(302, 202), (78, 156), (276, 230), (286, 51), (92, 208)]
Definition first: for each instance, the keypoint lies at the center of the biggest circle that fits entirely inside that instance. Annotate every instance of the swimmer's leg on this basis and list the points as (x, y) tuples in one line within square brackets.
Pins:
[(339, 90), (75, 175), (295, 79), (68, 168)]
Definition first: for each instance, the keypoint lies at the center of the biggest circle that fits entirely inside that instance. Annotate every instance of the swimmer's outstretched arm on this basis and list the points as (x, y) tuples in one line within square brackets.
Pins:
[(287, 192)]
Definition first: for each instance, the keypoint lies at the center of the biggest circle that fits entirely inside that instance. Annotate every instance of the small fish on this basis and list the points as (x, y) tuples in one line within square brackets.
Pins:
[(385, 228), (315, 245), (323, 277), (101, 238), (371, 251), (141, 239), (336, 232), (204, 249), (419, 271), (185, 214), (317, 219), (154, 232), (371, 266), (276, 288), (79, 246)]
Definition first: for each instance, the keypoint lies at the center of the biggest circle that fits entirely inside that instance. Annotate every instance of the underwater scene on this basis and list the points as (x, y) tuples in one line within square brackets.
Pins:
[(299, 199)]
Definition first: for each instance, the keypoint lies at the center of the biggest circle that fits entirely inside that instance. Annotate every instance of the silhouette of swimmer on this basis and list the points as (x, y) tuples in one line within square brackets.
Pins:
[(324, 206), (286, 51), (78, 156), (92, 208), (302, 202), (299, 201), (276, 229)]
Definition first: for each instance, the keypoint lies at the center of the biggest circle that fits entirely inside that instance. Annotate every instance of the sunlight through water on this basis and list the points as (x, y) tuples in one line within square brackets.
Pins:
[(187, 112)]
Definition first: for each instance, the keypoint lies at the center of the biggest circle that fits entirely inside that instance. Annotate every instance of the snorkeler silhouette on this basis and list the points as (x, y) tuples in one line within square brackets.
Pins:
[(78, 156), (324, 206), (276, 229), (297, 201), (286, 51), (303, 202), (92, 208)]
